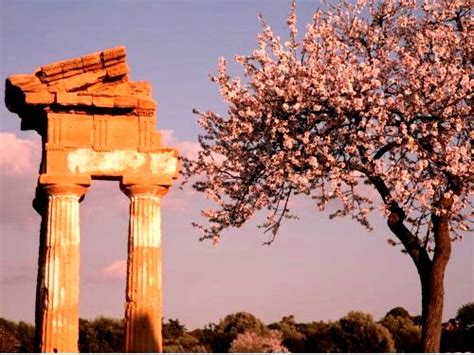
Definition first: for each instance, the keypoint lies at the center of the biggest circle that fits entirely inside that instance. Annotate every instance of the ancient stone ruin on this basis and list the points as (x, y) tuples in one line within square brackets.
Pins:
[(94, 124)]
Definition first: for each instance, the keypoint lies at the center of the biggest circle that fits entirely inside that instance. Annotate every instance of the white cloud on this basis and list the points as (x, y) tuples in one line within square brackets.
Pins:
[(114, 271), (188, 149), (19, 156), (19, 164)]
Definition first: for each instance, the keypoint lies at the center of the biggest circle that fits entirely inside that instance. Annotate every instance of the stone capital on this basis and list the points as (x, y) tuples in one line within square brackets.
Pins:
[(65, 189), (133, 190), (56, 186), (144, 185)]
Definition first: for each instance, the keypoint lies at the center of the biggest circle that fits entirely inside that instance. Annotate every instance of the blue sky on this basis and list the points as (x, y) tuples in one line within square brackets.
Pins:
[(317, 269)]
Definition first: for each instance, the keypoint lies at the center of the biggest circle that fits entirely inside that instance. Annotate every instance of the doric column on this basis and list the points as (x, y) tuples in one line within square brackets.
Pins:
[(144, 290), (57, 298)]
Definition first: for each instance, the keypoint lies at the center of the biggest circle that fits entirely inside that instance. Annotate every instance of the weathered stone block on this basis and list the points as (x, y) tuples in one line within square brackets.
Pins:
[(52, 69), (125, 102), (72, 72), (114, 61), (72, 64), (147, 104), (92, 61), (39, 98), (117, 70), (85, 100), (49, 179), (84, 80), (113, 53), (141, 88), (77, 131), (108, 86), (155, 141), (103, 101), (66, 98), (28, 83), (50, 78)]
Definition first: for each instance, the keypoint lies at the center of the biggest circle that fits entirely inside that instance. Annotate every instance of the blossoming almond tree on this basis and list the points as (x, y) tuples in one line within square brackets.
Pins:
[(252, 342), (377, 93)]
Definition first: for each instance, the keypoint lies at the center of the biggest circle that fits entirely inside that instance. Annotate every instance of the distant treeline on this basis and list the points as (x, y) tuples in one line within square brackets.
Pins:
[(243, 332)]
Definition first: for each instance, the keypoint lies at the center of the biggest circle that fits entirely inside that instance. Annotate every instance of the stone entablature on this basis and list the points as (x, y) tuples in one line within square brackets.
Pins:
[(94, 121), (94, 124)]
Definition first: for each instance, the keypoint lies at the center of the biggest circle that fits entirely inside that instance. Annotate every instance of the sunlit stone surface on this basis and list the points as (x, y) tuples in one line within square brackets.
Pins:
[(94, 124)]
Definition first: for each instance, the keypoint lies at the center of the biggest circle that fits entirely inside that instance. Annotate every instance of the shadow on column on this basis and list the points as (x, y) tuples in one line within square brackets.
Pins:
[(145, 337), (40, 204)]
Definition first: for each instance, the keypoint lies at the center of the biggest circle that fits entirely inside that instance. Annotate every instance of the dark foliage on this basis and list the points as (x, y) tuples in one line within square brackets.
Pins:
[(458, 333), (176, 339), (405, 333), (103, 334), (9, 342), (356, 332)]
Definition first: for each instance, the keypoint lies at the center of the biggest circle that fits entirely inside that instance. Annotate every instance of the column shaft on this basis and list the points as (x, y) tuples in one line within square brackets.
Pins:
[(144, 290), (57, 314)]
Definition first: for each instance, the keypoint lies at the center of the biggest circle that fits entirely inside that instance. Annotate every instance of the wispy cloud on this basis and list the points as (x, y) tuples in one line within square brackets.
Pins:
[(188, 149), (19, 156), (19, 163), (114, 271)]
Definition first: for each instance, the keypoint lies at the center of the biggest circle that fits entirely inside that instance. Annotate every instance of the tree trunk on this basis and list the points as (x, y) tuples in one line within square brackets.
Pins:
[(432, 294), (431, 274), (432, 285), (431, 271)]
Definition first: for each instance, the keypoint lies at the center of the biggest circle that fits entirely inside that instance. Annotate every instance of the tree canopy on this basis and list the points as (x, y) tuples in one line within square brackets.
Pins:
[(382, 99), (374, 93)]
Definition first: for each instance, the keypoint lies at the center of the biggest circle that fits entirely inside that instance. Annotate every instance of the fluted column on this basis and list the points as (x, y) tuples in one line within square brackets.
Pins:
[(57, 298), (143, 311)]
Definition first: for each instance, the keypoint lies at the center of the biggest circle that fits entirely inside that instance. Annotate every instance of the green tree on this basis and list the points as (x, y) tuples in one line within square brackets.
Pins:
[(292, 339), (357, 332), (176, 339), (25, 334), (241, 322), (173, 329), (405, 333), (465, 316), (102, 335), (16, 337), (318, 337), (398, 312), (87, 337), (208, 336), (8, 340), (458, 333), (218, 338)]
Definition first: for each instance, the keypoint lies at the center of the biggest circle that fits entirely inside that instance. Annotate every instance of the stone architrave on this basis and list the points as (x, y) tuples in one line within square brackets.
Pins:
[(95, 124)]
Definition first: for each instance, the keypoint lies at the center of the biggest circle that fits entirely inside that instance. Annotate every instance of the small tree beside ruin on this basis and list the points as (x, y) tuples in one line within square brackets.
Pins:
[(376, 93), (251, 342)]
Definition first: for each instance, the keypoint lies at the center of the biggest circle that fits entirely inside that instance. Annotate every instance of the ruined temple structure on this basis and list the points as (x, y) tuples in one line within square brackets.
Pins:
[(94, 124)]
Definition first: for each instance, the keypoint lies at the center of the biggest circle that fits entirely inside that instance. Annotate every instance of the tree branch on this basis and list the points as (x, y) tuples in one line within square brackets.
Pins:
[(395, 222), (384, 150)]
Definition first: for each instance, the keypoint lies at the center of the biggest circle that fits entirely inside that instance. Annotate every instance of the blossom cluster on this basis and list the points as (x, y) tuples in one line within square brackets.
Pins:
[(377, 93), (254, 342)]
